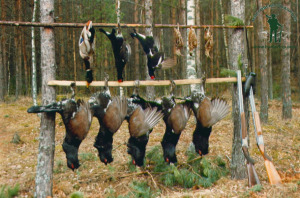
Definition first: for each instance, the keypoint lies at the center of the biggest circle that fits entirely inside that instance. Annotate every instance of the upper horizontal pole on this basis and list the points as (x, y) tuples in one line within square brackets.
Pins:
[(144, 82), (111, 25)]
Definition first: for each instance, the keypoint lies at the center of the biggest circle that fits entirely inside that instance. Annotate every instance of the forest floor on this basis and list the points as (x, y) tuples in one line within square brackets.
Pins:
[(94, 179)]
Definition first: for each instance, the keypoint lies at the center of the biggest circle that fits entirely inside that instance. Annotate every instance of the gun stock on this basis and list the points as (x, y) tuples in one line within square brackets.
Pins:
[(252, 175), (273, 175)]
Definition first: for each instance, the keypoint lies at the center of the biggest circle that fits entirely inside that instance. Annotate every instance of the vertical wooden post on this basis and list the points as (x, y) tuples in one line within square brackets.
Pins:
[(44, 173)]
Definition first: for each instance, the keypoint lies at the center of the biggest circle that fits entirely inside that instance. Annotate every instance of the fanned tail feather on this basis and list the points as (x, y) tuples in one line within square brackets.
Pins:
[(152, 117), (219, 109), (168, 63)]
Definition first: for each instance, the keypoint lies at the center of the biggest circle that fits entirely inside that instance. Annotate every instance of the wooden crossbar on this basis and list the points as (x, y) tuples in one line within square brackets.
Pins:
[(144, 82), (111, 25)]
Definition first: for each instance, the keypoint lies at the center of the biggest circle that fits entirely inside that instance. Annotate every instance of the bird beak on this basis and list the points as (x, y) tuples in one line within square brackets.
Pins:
[(167, 160), (87, 84), (152, 77), (200, 153), (120, 80), (133, 162), (72, 166), (105, 161)]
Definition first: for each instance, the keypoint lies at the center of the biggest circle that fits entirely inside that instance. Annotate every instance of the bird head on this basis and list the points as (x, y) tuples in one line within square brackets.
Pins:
[(105, 154), (71, 155), (169, 153), (136, 147), (201, 139)]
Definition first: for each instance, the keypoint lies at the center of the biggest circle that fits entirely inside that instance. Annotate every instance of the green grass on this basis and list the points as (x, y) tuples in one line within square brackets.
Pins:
[(197, 171), (77, 194), (9, 192), (87, 157)]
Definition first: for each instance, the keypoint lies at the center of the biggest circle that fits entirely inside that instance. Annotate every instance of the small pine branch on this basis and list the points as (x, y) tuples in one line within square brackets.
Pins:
[(233, 21)]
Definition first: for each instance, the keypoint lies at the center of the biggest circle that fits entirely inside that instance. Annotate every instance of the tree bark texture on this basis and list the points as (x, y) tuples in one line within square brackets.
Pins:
[(236, 48), (148, 32), (44, 175), (262, 58), (286, 67)]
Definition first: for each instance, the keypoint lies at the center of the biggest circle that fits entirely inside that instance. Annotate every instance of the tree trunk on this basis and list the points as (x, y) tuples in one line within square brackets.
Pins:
[(286, 65), (191, 61), (18, 52), (236, 47), (34, 84), (136, 44), (1, 76), (199, 37), (270, 76), (182, 20), (262, 56), (3, 49), (225, 35), (298, 43), (26, 86), (148, 32), (44, 176)]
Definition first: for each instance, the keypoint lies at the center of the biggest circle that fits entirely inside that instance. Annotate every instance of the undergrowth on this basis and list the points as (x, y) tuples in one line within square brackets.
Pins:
[(195, 172), (9, 192)]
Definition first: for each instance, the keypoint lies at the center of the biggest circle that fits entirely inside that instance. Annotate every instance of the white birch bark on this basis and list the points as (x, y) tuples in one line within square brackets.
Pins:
[(236, 47), (191, 60), (34, 86), (149, 32), (118, 10), (45, 161)]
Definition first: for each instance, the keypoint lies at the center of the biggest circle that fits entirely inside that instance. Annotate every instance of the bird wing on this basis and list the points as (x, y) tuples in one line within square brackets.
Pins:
[(179, 117), (219, 109), (168, 63), (142, 121)]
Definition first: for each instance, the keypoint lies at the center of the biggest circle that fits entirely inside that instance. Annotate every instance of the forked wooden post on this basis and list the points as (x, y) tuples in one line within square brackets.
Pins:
[(144, 82)]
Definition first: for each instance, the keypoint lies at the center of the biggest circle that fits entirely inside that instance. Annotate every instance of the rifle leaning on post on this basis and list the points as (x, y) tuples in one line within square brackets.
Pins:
[(273, 175), (252, 175)]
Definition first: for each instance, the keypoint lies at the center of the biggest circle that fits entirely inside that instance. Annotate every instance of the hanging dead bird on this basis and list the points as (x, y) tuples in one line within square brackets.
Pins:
[(121, 50), (86, 49), (192, 40), (209, 39), (178, 41), (158, 61), (148, 42)]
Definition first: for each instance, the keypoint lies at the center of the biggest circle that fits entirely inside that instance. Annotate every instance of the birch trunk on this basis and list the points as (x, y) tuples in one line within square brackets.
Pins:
[(119, 21), (236, 47), (286, 66), (34, 86), (44, 175), (148, 32), (191, 60)]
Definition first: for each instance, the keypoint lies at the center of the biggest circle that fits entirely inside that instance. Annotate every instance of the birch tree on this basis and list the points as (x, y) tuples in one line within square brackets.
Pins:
[(286, 67), (149, 32), (236, 48), (45, 161), (262, 58), (34, 85), (191, 60)]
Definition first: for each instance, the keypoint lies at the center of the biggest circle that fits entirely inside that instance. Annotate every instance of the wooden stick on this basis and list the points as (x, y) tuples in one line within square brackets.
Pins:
[(111, 25), (144, 82)]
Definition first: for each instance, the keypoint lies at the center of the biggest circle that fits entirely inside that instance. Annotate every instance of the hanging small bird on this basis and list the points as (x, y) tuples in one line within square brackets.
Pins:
[(121, 49), (209, 42), (148, 42), (86, 49), (192, 40), (178, 41), (158, 61)]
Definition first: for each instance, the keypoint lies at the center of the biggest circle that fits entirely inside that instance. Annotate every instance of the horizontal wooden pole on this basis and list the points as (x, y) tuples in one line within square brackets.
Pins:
[(111, 25), (144, 82)]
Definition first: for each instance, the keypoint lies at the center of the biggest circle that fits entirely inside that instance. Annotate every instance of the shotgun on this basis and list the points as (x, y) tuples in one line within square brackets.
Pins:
[(252, 175), (273, 175)]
